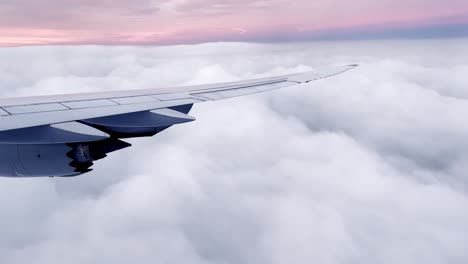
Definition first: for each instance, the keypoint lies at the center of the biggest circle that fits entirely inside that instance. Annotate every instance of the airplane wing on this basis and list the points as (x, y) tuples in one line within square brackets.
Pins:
[(93, 117)]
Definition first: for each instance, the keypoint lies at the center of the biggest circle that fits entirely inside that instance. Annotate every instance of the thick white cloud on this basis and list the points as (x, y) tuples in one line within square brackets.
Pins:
[(369, 166)]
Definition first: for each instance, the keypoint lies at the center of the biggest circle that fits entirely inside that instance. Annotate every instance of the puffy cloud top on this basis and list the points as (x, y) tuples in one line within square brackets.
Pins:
[(368, 166)]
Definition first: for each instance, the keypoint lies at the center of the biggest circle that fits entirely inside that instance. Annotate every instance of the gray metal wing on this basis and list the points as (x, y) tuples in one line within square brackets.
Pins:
[(145, 108)]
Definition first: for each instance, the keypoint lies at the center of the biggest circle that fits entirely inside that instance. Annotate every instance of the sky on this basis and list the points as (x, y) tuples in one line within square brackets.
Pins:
[(165, 22), (366, 167)]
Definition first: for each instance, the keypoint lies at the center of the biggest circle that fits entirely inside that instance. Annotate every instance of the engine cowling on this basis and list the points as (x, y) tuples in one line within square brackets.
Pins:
[(56, 160), (44, 151)]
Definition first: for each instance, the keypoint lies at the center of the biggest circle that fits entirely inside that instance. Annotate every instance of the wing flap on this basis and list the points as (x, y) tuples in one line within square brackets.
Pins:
[(155, 118), (134, 100), (89, 104)]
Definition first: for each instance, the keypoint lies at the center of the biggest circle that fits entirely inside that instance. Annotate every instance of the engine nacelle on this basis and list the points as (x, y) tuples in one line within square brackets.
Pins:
[(55, 160)]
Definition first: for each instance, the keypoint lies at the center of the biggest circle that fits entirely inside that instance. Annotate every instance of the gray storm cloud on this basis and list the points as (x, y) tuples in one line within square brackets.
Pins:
[(369, 166)]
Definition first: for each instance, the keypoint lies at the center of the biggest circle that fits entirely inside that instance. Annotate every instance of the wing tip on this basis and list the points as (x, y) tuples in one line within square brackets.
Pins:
[(307, 77)]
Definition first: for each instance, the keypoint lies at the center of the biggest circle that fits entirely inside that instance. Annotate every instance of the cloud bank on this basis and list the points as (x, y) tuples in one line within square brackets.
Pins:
[(369, 166)]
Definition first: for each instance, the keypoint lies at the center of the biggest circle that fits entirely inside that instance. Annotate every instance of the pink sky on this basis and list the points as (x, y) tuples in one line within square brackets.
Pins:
[(25, 22)]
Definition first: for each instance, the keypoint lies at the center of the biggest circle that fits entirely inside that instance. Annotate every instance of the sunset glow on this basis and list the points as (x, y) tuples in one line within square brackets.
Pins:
[(145, 22)]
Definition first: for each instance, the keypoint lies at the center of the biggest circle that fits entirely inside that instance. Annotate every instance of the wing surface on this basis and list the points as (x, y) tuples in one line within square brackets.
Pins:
[(149, 105)]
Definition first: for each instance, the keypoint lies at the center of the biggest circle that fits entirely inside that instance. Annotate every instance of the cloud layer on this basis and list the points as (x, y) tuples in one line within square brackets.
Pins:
[(369, 166)]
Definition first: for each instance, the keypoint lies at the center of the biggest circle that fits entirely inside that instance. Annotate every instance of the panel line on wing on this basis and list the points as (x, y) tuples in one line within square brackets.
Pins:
[(234, 92), (4, 112), (89, 103), (233, 87), (24, 109), (133, 100)]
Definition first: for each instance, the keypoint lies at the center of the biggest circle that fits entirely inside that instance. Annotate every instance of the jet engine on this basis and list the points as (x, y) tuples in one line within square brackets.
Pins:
[(56, 160), (69, 149)]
